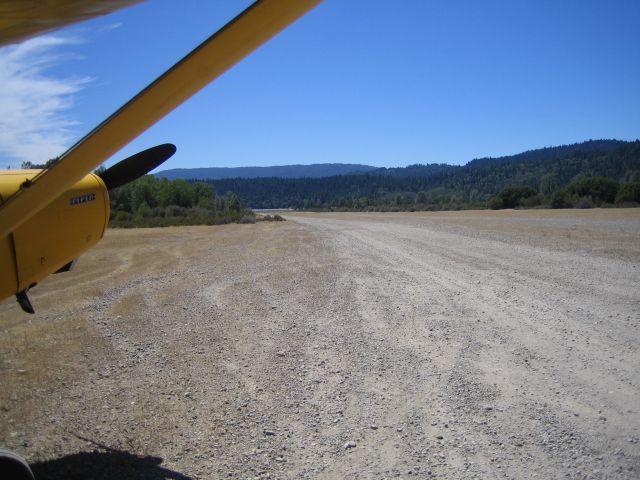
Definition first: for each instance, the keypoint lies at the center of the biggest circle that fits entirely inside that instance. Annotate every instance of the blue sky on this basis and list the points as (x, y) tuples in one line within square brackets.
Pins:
[(355, 81)]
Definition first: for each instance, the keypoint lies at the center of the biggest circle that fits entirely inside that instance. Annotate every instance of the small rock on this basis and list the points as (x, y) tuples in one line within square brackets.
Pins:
[(350, 444)]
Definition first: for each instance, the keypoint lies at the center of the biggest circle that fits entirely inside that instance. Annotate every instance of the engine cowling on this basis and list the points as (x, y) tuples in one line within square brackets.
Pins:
[(53, 237)]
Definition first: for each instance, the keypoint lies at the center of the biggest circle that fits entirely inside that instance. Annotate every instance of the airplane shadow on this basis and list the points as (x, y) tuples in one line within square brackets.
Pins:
[(103, 465)]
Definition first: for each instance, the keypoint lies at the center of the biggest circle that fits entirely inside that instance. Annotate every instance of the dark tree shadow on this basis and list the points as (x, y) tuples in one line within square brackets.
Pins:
[(104, 463)]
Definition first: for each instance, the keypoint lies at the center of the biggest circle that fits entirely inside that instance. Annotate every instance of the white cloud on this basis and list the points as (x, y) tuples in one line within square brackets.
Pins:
[(34, 104), (111, 26)]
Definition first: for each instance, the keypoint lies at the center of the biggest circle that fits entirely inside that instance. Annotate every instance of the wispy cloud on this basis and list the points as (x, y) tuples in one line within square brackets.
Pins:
[(111, 26), (34, 104)]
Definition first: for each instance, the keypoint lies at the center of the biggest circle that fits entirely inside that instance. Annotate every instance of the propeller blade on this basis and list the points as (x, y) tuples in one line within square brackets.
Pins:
[(137, 165)]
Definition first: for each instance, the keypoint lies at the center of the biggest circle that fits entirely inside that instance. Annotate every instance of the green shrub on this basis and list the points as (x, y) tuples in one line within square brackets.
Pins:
[(600, 189), (122, 216), (561, 199), (512, 197), (174, 211), (585, 202), (531, 202), (629, 192)]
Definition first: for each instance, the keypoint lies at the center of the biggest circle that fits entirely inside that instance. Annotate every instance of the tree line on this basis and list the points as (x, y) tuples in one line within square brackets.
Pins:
[(594, 173), (153, 202)]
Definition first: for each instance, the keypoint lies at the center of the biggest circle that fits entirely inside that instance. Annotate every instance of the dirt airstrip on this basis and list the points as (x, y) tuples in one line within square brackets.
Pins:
[(425, 345)]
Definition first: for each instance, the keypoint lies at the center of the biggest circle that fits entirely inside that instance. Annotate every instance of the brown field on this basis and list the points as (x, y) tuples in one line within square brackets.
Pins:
[(441, 345)]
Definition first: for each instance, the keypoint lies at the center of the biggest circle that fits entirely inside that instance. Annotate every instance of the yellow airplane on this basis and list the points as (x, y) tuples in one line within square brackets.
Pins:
[(48, 217), (52, 239)]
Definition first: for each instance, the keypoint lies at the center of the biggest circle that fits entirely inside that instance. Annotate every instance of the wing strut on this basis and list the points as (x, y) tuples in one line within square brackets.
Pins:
[(254, 26)]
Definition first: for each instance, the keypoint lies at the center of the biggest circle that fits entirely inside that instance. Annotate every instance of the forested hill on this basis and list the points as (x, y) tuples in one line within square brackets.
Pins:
[(551, 153), (418, 170), (282, 171), (545, 172)]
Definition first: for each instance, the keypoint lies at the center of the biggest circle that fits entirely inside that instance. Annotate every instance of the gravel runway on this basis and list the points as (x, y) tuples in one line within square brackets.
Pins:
[(449, 345)]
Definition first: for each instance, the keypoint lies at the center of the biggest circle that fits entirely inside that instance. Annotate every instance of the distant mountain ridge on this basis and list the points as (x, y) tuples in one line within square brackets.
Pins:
[(281, 171), (550, 153), (418, 170), (320, 170), (546, 170)]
